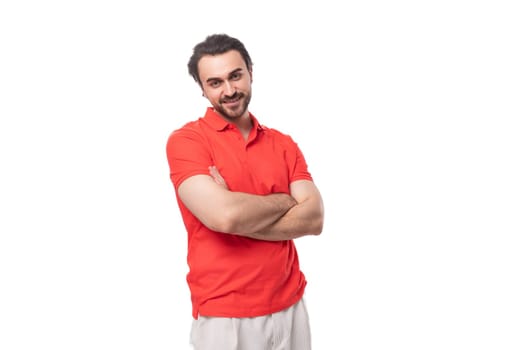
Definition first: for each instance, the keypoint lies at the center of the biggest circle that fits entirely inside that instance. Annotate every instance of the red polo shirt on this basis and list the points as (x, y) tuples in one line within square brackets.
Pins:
[(230, 275)]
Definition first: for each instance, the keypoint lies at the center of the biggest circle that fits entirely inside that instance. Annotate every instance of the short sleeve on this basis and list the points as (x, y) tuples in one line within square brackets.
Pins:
[(188, 155), (297, 163)]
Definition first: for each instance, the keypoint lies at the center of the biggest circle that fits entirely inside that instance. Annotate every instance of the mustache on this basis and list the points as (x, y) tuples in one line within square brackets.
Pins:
[(235, 96)]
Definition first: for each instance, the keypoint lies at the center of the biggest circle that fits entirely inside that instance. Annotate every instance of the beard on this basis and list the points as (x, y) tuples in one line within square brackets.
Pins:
[(237, 112)]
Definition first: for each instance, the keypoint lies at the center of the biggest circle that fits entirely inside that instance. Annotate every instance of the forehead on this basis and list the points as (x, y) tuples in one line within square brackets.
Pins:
[(219, 66)]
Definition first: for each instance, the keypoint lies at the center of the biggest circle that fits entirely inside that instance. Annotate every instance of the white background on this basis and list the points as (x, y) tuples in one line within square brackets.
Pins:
[(410, 115)]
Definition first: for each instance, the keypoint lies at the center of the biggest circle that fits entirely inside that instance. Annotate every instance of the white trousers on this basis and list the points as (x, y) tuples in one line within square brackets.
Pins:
[(284, 330)]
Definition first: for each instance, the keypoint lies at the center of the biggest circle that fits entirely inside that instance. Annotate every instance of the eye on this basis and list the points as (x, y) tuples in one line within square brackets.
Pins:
[(236, 76), (215, 83)]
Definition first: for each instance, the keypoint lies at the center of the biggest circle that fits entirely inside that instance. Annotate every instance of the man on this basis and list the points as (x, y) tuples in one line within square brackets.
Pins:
[(244, 192)]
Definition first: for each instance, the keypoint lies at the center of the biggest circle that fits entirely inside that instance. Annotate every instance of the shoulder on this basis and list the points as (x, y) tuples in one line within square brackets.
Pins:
[(189, 131), (279, 136)]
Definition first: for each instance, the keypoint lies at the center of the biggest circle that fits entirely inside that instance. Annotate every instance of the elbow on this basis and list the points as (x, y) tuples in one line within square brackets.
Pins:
[(231, 223), (225, 223), (317, 228), (318, 223), (220, 225)]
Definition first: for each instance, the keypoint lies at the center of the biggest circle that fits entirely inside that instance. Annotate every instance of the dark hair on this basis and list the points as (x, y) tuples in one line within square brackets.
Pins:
[(216, 44)]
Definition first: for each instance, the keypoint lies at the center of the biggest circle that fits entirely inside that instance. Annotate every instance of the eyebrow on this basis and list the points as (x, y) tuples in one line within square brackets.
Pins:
[(229, 75)]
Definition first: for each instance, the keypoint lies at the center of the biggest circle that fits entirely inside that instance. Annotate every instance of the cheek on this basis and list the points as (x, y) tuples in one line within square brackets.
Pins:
[(246, 84)]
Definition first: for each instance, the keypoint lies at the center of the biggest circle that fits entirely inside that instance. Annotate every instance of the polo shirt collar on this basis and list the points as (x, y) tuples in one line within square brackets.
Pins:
[(218, 123)]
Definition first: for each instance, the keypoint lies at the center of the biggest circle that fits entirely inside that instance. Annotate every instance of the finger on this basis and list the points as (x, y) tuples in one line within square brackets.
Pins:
[(216, 175)]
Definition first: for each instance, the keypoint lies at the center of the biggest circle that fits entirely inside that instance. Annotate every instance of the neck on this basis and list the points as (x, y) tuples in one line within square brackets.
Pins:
[(244, 124)]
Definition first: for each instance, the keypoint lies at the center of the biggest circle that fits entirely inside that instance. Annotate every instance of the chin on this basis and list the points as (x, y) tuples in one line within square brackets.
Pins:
[(232, 113)]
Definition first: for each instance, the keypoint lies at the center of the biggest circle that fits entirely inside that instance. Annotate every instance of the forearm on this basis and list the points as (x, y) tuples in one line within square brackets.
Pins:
[(273, 217), (305, 218), (245, 214)]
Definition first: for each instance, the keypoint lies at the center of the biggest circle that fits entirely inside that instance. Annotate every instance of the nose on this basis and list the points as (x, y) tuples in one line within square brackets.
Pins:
[(229, 90)]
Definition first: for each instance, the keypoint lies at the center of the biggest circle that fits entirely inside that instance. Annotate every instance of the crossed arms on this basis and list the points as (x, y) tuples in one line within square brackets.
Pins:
[(273, 217)]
